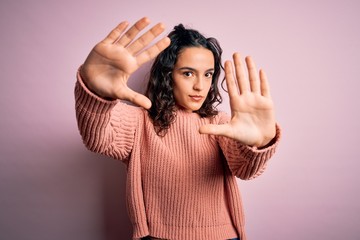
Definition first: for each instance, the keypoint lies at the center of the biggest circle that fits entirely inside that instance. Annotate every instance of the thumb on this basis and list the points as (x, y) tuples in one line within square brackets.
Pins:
[(213, 129)]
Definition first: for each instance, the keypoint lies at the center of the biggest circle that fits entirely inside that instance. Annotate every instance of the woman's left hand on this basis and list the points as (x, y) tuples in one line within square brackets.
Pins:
[(252, 112)]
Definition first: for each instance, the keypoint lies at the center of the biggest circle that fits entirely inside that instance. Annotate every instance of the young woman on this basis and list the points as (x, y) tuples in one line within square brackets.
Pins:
[(182, 155)]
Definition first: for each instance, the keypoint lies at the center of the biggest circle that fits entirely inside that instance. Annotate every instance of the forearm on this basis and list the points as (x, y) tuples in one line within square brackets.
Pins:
[(93, 116), (248, 162), (103, 127)]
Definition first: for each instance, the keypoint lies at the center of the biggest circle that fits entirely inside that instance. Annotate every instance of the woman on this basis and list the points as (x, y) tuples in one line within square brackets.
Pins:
[(182, 155)]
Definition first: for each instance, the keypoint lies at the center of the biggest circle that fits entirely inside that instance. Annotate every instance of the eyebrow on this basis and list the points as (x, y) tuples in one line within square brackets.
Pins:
[(193, 69)]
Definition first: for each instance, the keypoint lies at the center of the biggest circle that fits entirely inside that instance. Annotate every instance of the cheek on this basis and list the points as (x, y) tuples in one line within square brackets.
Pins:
[(181, 87), (209, 86), (177, 92)]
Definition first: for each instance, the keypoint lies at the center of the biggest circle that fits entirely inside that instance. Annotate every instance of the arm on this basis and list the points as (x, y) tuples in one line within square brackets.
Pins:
[(106, 127), (246, 162), (249, 138)]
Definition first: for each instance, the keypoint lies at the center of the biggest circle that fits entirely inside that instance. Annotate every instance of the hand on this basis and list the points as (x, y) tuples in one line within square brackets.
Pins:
[(252, 112), (112, 61)]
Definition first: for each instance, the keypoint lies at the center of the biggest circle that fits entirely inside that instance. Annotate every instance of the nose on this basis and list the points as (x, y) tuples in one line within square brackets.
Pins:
[(199, 84)]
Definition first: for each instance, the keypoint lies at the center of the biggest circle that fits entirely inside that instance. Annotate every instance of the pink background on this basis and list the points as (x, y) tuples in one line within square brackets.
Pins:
[(51, 187)]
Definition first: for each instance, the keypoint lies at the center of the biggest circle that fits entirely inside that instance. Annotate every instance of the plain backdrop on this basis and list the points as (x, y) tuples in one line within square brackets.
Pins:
[(51, 187)]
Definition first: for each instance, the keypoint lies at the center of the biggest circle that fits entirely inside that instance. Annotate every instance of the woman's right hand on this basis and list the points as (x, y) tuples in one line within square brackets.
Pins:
[(112, 61)]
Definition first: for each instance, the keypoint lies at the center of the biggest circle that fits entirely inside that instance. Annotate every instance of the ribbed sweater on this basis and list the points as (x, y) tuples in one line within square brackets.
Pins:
[(181, 186)]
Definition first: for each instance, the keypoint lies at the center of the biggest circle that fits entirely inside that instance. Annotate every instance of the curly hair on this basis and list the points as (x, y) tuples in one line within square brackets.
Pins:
[(160, 86)]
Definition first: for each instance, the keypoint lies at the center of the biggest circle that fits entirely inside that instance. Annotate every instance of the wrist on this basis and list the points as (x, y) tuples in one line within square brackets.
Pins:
[(267, 141), (84, 77)]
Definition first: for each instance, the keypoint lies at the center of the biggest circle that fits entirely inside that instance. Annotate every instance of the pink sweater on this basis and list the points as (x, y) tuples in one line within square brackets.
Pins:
[(181, 186)]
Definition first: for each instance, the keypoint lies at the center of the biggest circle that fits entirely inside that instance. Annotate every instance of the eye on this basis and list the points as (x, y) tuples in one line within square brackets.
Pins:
[(209, 74), (187, 74)]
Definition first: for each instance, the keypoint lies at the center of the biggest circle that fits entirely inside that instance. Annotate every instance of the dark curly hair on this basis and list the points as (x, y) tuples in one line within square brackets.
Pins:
[(160, 86)]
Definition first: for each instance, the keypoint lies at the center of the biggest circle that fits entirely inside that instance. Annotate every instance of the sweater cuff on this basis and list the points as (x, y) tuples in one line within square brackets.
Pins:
[(90, 101), (248, 162)]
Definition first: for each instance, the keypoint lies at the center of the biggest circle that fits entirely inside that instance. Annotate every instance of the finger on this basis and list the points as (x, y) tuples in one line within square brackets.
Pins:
[(253, 77), (133, 31), (230, 80), (265, 89), (213, 129), (116, 33), (145, 39), (240, 74), (153, 51), (136, 98)]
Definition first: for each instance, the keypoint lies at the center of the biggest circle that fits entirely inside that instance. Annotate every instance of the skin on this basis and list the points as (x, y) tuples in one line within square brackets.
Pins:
[(112, 61), (192, 76), (252, 110)]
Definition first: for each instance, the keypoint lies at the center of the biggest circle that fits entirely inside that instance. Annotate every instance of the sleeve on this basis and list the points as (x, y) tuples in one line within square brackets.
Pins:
[(247, 162), (106, 127)]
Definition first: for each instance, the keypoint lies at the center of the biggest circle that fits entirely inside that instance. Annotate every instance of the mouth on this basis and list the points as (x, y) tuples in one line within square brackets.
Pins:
[(196, 98)]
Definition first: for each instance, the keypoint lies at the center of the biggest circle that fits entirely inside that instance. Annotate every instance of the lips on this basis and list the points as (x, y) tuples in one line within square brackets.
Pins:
[(196, 98)]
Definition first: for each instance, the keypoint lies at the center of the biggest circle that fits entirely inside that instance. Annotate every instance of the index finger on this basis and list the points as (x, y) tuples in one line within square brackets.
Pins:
[(230, 81)]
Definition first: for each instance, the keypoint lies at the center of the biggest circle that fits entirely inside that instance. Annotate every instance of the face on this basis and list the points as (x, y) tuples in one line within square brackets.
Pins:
[(192, 76)]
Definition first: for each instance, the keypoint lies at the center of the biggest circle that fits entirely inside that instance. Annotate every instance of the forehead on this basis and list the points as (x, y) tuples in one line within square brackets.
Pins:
[(195, 57)]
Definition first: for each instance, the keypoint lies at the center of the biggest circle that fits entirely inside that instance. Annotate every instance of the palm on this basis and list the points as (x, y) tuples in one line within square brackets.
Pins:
[(252, 115), (117, 57), (112, 61)]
